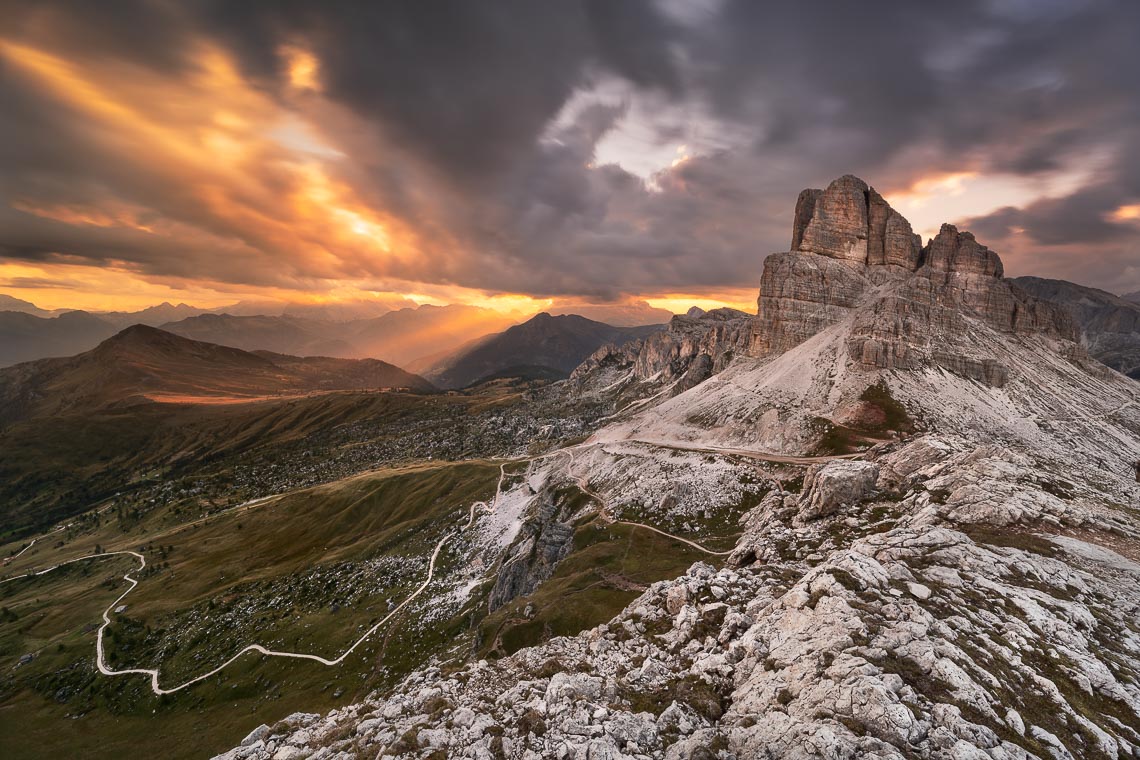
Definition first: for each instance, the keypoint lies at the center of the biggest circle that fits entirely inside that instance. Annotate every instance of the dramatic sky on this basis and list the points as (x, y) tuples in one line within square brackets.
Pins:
[(518, 153)]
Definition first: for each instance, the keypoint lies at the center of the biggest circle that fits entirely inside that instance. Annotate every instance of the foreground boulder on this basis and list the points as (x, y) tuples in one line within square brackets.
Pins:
[(828, 488)]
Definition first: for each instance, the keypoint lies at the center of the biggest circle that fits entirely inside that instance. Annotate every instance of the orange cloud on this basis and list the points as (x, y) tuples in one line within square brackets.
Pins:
[(231, 194), (303, 68), (1128, 213), (246, 167), (110, 215)]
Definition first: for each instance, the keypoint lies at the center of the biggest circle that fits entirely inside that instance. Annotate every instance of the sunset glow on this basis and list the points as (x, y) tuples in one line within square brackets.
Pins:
[(210, 172), (1127, 213)]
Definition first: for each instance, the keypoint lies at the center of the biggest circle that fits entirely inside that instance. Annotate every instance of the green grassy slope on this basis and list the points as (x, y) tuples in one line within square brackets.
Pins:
[(268, 574)]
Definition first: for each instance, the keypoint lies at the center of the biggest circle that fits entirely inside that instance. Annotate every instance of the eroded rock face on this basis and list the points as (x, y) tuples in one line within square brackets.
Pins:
[(855, 258), (695, 346), (851, 222), (532, 558), (1109, 325), (896, 244), (953, 251), (800, 295), (940, 626), (838, 224)]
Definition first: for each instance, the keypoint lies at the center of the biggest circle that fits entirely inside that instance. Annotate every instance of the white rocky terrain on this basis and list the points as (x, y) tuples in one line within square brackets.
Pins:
[(944, 560)]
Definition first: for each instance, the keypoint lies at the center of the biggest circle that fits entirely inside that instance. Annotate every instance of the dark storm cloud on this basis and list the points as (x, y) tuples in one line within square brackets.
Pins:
[(455, 134), (148, 32), (470, 85)]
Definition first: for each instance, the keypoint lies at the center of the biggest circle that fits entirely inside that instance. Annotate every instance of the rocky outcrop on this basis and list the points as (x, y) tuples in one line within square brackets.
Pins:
[(543, 542), (855, 258), (805, 209), (953, 251), (849, 221), (802, 294), (830, 487), (838, 223), (693, 347)]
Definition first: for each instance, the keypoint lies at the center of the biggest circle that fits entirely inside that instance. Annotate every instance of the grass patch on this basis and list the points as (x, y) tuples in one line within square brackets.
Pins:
[(605, 571), (698, 694), (832, 439), (1013, 539), (174, 618), (894, 414)]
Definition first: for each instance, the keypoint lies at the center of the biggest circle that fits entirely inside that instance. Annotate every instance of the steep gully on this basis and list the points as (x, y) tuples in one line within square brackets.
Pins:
[(581, 481)]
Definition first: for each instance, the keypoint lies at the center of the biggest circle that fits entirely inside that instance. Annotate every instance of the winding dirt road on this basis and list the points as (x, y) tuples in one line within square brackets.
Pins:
[(693, 544), (763, 456), (17, 554), (581, 481), (583, 485), (157, 688)]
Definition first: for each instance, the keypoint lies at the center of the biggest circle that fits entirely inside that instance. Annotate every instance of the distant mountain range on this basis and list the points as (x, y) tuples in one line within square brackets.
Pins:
[(25, 337), (11, 303), (288, 335), (400, 337), (457, 345), (153, 315), (144, 363), (1109, 325), (620, 314), (544, 347)]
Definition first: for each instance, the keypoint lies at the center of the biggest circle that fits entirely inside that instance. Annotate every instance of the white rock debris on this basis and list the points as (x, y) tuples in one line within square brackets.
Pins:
[(946, 635), (967, 591)]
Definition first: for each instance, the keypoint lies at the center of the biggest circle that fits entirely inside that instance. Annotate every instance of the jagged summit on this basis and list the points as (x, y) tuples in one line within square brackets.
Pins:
[(858, 279), (850, 221), (850, 308), (911, 306)]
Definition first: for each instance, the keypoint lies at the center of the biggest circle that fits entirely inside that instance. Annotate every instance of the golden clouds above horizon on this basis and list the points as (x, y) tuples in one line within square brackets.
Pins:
[(229, 167), (223, 193)]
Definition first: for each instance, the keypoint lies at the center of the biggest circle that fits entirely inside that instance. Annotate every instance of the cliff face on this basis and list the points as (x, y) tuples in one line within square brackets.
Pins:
[(1109, 325), (694, 347), (854, 257), (851, 222)]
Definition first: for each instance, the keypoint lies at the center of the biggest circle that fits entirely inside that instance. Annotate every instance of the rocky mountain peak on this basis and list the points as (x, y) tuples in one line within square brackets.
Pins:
[(954, 251), (856, 259), (850, 221)]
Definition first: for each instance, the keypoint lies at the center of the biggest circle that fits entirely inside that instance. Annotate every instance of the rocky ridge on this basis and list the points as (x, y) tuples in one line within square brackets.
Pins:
[(693, 347), (917, 305), (1109, 325), (967, 592)]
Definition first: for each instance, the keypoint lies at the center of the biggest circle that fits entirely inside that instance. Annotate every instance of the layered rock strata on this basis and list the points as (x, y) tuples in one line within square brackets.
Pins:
[(853, 256), (694, 347)]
